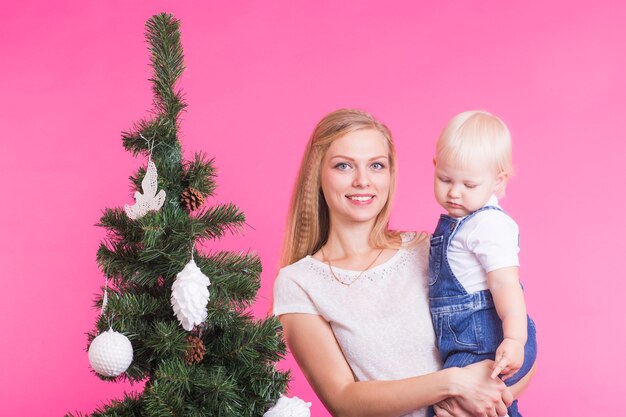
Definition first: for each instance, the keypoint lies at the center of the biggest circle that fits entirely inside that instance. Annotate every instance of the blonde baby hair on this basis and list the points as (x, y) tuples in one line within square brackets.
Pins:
[(474, 136)]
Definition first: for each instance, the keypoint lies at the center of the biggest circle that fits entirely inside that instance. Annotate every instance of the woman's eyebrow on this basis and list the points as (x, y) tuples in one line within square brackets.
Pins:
[(353, 159)]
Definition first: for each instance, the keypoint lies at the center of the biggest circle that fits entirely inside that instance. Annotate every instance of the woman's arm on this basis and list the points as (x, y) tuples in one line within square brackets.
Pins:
[(315, 348)]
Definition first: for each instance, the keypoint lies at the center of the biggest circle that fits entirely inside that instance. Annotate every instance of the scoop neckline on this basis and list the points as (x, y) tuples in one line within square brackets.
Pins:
[(353, 271)]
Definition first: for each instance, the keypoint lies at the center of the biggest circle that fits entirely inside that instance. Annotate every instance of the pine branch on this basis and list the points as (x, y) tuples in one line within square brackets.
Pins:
[(118, 260), (200, 174), (129, 406), (250, 342), (136, 141), (163, 36), (263, 339), (166, 339), (214, 222), (269, 383), (219, 316), (133, 306), (160, 133), (224, 262), (159, 401), (234, 276), (167, 231), (221, 391), (243, 349), (120, 226), (175, 375), (169, 393)]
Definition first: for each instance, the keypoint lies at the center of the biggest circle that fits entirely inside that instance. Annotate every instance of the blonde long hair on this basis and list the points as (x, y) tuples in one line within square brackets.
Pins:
[(308, 221)]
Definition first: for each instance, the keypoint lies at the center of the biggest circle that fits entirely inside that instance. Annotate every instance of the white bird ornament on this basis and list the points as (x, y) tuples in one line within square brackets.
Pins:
[(149, 200)]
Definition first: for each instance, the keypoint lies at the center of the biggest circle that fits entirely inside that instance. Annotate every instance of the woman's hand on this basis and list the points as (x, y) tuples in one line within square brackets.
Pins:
[(476, 394), (451, 408)]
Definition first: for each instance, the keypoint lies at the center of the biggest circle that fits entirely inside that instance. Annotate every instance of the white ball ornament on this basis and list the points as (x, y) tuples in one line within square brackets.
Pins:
[(289, 407), (190, 296), (110, 353)]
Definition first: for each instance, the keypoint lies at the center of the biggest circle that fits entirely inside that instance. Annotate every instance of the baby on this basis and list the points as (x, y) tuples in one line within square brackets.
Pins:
[(476, 299)]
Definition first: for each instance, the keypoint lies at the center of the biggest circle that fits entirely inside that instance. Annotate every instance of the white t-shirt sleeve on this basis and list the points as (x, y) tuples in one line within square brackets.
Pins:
[(494, 240), (290, 297)]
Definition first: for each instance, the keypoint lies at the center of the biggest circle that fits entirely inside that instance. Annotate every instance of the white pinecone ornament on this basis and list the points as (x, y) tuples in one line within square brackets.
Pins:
[(110, 353), (289, 407), (190, 296)]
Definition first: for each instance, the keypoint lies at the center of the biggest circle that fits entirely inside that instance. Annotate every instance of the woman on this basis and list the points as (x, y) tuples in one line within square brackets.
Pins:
[(352, 295)]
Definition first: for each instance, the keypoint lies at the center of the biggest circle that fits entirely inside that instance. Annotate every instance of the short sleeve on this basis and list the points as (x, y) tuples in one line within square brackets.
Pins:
[(290, 297), (494, 240)]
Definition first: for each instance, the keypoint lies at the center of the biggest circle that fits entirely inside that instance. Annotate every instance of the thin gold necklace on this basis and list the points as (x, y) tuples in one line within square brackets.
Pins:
[(347, 284)]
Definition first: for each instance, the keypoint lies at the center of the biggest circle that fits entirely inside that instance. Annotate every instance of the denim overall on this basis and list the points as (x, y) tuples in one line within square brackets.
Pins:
[(467, 326)]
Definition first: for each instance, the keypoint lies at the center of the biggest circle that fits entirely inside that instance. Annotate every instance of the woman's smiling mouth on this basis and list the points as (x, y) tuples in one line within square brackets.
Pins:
[(360, 199)]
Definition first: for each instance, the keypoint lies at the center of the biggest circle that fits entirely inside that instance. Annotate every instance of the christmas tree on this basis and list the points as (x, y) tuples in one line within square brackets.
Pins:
[(223, 364)]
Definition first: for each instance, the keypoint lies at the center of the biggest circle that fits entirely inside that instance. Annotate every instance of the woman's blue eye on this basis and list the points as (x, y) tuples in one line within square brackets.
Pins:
[(342, 166), (378, 165)]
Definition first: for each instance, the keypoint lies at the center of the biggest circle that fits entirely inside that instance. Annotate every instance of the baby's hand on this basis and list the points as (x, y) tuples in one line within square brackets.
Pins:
[(509, 358)]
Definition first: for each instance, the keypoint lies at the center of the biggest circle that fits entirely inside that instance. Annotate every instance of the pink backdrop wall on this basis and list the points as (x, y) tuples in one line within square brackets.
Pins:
[(260, 75)]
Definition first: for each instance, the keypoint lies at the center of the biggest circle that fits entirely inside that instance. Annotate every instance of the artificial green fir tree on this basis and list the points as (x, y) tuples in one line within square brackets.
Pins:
[(225, 365)]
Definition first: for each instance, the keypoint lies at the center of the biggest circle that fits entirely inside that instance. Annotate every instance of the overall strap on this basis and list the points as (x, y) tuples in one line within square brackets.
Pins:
[(469, 216)]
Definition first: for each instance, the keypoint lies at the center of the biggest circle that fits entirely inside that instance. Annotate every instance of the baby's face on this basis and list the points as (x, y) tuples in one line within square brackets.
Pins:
[(463, 190)]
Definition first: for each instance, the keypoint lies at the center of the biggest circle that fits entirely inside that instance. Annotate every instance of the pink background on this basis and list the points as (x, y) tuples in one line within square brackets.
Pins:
[(260, 75)]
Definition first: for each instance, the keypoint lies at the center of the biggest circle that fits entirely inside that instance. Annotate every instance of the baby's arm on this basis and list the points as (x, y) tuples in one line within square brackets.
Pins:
[(509, 300)]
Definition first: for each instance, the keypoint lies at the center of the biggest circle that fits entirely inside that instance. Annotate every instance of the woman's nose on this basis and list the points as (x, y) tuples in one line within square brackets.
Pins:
[(360, 178)]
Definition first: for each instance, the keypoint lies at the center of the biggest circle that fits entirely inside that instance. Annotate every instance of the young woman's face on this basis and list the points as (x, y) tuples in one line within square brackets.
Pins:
[(356, 176)]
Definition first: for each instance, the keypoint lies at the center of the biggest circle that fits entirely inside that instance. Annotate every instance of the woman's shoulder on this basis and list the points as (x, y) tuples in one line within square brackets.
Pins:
[(295, 268), (297, 272), (292, 290), (418, 243), (415, 244), (413, 239), (412, 257)]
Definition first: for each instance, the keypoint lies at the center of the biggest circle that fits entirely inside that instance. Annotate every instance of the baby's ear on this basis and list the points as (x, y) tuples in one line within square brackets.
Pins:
[(434, 161), (501, 181)]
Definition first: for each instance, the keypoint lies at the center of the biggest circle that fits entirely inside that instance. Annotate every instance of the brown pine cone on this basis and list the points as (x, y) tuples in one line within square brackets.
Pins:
[(196, 350), (191, 198)]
